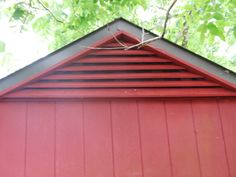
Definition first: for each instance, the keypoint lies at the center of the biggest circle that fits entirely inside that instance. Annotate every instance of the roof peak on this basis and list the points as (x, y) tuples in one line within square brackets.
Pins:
[(119, 25)]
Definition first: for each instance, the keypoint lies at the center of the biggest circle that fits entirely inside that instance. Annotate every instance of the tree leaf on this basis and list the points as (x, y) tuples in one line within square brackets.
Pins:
[(233, 2), (234, 31), (2, 46), (218, 16), (18, 13), (202, 37), (215, 31), (202, 28), (39, 23)]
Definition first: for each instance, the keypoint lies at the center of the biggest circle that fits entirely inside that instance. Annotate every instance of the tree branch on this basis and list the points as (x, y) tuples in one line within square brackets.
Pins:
[(185, 30), (167, 18), (161, 8), (185, 34), (142, 42), (25, 18), (51, 13), (138, 45), (117, 40), (23, 23)]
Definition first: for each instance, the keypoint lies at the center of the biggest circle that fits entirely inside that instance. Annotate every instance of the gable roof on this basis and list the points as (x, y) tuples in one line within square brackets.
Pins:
[(107, 33)]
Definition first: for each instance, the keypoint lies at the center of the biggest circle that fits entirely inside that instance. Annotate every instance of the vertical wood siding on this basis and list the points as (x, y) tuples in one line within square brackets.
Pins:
[(12, 139), (69, 156), (183, 149), (118, 138), (143, 72)]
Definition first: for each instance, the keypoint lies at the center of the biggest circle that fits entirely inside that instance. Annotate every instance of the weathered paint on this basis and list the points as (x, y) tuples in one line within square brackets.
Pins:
[(77, 48), (172, 118), (144, 72), (119, 138)]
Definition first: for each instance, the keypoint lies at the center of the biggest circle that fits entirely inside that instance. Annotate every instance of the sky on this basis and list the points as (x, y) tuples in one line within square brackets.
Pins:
[(27, 46), (24, 48)]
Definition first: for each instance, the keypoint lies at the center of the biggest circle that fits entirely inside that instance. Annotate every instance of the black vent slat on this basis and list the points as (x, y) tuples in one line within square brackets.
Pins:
[(107, 59), (121, 69), (135, 75), (111, 84)]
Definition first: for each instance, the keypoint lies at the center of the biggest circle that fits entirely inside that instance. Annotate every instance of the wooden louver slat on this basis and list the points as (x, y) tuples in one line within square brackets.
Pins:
[(100, 76), (116, 44), (122, 60), (121, 93), (120, 67), (121, 84), (122, 52), (120, 73)]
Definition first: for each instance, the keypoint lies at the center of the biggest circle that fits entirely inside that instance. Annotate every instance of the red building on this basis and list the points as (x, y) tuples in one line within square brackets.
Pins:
[(89, 111)]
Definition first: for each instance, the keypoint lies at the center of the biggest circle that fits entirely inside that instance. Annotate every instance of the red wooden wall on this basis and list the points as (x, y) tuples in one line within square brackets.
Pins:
[(118, 138)]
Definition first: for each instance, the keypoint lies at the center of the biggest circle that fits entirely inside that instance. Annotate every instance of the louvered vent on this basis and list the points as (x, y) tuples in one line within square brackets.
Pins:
[(134, 68), (116, 72)]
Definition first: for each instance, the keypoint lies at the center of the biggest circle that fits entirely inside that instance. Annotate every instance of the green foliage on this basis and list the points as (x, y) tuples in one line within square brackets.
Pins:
[(18, 13), (2, 46), (203, 26), (210, 26), (72, 19), (215, 31), (234, 31)]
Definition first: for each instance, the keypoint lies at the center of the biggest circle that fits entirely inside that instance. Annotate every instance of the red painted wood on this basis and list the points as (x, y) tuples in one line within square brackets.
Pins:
[(210, 139), (183, 150), (62, 63), (122, 60), (148, 49), (121, 76), (116, 44), (155, 150), (122, 84), (122, 52), (98, 139), (121, 138), (120, 67), (127, 153), (12, 139), (40, 157), (122, 93), (69, 139), (183, 63), (228, 116)]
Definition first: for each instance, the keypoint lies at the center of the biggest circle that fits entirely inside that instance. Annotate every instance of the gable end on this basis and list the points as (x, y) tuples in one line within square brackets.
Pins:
[(143, 72)]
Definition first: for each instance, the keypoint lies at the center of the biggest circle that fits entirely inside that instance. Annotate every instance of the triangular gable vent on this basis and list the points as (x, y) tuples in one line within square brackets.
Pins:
[(143, 72)]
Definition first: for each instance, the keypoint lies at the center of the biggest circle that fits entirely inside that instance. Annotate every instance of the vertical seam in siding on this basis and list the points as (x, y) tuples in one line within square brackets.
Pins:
[(55, 139), (196, 139), (223, 136), (83, 135), (168, 140), (112, 141), (140, 139), (26, 135)]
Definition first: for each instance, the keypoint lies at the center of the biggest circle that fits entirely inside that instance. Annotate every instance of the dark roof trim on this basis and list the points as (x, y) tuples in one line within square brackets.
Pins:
[(57, 57), (50, 61)]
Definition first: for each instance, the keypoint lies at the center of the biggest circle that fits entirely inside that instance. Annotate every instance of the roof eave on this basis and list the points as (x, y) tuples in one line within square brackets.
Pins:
[(13, 80)]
